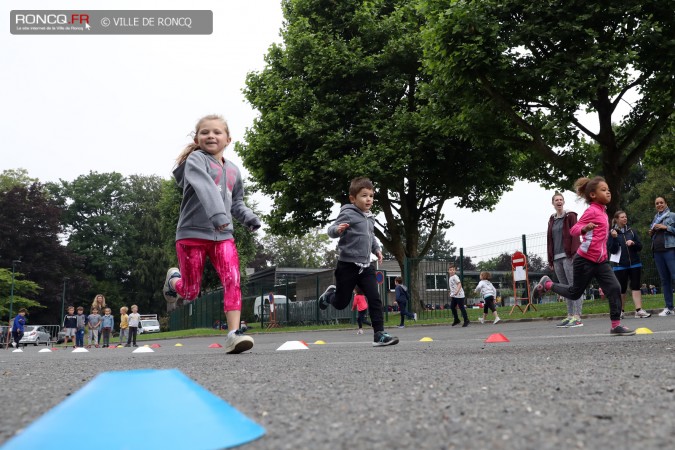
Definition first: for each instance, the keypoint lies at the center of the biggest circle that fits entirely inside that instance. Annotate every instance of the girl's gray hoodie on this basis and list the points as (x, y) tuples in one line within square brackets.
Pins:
[(212, 195), (358, 241)]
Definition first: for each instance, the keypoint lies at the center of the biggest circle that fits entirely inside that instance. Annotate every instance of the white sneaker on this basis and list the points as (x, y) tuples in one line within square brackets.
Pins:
[(496, 320), (666, 312), (360, 331), (238, 342), (642, 314), (13, 344), (481, 320), (415, 317)]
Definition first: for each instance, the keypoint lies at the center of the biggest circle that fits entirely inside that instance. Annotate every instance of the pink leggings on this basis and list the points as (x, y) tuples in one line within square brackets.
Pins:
[(225, 259)]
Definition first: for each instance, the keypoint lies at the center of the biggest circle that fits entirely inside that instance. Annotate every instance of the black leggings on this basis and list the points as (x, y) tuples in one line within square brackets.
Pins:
[(455, 303), (583, 271), (349, 275), (633, 274), (489, 304)]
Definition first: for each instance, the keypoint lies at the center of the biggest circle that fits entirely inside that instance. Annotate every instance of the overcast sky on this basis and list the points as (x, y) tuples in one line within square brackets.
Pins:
[(75, 104)]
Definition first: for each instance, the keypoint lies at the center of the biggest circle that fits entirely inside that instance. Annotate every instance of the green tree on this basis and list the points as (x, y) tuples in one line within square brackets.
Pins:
[(30, 231), (10, 178), (25, 292), (341, 98), (309, 250), (525, 71)]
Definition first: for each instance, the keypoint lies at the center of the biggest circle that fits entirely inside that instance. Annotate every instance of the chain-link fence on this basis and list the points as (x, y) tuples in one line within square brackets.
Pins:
[(427, 280)]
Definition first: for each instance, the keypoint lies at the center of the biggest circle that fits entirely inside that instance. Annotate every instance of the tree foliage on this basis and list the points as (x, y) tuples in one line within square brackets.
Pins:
[(311, 250), (525, 71), (24, 294), (30, 231), (341, 98)]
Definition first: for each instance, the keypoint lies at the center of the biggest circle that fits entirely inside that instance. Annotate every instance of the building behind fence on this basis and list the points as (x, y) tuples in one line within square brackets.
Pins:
[(429, 288)]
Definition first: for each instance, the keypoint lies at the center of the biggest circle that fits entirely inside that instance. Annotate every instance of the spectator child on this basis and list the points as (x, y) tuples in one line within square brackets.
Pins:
[(488, 292), (361, 306), (70, 326), (591, 258), (402, 298), (107, 325), (80, 325), (134, 322), (355, 228), (124, 325), (94, 321), (457, 297), (18, 327), (213, 195)]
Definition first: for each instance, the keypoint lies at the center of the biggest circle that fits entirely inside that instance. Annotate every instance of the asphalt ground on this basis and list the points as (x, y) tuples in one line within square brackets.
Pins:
[(548, 388)]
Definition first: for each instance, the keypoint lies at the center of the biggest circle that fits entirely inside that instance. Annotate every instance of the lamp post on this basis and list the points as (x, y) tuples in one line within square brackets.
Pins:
[(63, 297), (11, 290)]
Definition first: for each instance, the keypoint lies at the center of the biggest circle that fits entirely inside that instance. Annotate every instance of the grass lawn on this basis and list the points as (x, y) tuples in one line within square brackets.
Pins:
[(544, 311)]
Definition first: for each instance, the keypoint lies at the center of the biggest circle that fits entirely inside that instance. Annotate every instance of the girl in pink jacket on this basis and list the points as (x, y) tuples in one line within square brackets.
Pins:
[(591, 258)]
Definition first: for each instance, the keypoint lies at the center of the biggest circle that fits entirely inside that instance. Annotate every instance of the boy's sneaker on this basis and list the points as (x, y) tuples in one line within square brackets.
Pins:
[(666, 312), (497, 320), (563, 323), (456, 322), (415, 317), (621, 331), (238, 342), (14, 344), (575, 323), (381, 339), (323, 299), (642, 314), (170, 295), (481, 320), (401, 326), (360, 331), (466, 324)]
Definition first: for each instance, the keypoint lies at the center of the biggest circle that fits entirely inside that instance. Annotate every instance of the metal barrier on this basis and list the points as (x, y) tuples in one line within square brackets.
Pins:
[(53, 331)]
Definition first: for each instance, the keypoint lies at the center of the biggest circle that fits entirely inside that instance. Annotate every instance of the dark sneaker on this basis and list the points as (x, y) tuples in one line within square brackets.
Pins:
[(382, 339), (540, 287), (564, 322), (456, 322), (466, 324), (170, 295), (324, 298), (575, 323), (621, 331), (238, 342)]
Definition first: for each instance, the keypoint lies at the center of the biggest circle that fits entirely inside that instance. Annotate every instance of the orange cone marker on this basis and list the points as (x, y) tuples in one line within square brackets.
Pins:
[(496, 337)]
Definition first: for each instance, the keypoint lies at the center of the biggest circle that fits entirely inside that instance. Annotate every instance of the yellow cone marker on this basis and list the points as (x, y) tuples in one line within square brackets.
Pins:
[(426, 339), (178, 345), (320, 342), (643, 331)]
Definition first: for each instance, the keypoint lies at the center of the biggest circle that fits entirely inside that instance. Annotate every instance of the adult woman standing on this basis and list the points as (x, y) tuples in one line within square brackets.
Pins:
[(99, 303), (561, 248), (662, 231), (624, 244)]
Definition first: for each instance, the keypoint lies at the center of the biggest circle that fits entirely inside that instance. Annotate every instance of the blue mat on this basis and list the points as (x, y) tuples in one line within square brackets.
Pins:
[(147, 409)]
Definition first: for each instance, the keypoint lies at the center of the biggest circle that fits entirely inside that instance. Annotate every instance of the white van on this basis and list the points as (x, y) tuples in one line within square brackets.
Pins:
[(149, 324), (278, 299)]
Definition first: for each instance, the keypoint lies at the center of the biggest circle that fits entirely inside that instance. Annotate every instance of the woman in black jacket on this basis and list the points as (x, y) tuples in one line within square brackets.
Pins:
[(624, 246)]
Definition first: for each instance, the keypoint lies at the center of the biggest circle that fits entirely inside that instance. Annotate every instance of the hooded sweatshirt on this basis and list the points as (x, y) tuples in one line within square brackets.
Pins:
[(358, 241), (594, 242), (213, 194)]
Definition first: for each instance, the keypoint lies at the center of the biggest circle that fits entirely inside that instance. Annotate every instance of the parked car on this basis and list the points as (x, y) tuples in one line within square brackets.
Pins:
[(148, 326), (35, 334)]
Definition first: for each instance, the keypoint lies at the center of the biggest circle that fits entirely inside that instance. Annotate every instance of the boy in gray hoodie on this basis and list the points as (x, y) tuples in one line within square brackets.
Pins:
[(355, 228)]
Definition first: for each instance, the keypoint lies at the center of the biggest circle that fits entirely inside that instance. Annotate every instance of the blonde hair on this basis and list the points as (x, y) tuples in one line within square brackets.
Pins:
[(124, 309), (95, 303), (191, 147)]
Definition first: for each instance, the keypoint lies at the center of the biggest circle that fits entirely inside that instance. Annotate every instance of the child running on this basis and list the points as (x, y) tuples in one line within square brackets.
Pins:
[(457, 297), (488, 292), (360, 304), (213, 194), (591, 258), (355, 228)]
